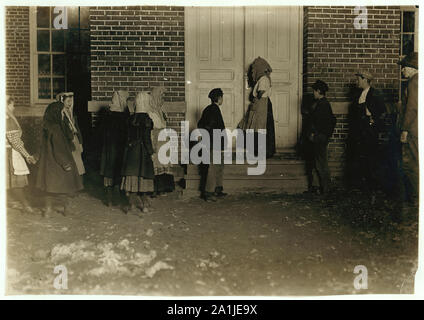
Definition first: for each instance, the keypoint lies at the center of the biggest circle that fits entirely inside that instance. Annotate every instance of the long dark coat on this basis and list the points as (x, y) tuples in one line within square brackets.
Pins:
[(115, 131), (56, 153), (137, 160)]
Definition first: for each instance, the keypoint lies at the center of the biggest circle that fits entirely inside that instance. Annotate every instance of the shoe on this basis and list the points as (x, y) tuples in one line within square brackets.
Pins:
[(209, 197), (219, 192), (109, 197)]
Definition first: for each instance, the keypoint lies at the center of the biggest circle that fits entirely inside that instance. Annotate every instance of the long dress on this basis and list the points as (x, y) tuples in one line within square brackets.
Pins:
[(16, 168), (137, 167), (164, 173), (114, 140), (60, 148), (260, 115)]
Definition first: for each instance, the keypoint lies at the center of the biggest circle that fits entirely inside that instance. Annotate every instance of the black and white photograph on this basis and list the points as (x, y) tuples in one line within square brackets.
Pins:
[(210, 149)]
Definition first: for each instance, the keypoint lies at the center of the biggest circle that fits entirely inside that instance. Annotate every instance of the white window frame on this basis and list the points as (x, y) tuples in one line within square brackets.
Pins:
[(35, 101)]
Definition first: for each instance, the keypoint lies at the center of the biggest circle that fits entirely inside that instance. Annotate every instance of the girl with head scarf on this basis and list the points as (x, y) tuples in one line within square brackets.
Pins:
[(115, 127), (164, 179), (259, 114), (137, 167), (60, 167), (17, 157)]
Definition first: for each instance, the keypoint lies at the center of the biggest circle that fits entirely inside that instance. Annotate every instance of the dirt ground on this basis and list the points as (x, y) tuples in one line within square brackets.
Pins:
[(248, 244)]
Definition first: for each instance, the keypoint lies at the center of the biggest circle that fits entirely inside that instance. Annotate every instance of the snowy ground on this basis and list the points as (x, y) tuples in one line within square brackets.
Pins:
[(248, 244)]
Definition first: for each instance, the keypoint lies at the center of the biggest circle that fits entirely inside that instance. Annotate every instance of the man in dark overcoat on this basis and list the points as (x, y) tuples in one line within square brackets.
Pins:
[(409, 126), (366, 123)]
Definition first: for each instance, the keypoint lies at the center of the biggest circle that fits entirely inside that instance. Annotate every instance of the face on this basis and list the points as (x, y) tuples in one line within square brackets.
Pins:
[(11, 105), (408, 72), (220, 100), (68, 102), (361, 82), (317, 94)]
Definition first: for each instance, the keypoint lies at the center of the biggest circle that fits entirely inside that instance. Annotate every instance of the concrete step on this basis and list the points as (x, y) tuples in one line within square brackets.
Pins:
[(286, 175), (272, 169)]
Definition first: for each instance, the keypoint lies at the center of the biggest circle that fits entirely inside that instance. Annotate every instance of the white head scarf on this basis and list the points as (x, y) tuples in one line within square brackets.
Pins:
[(119, 101), (157, 112), (143, 102)]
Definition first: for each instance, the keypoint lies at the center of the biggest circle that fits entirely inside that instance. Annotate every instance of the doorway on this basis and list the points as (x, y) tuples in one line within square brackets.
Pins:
[(221, 43)]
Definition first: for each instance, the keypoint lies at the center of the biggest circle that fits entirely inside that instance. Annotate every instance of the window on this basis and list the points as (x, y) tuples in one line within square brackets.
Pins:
[(57, 55), (408, 40)]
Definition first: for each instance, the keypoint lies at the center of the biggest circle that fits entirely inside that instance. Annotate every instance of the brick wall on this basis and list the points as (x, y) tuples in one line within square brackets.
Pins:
[(135, 48), (334, 50), (18, 55)]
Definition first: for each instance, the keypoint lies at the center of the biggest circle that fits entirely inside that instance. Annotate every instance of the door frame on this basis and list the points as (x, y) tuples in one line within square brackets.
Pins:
[(299, 67)]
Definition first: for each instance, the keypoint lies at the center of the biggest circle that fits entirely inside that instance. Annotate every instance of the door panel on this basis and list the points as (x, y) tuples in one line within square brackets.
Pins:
[(273, 34), (221, 43), (214, 55)]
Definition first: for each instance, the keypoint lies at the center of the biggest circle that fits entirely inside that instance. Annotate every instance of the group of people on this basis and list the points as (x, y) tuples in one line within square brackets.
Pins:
[(130, 149), (130, 159), (366, 127)]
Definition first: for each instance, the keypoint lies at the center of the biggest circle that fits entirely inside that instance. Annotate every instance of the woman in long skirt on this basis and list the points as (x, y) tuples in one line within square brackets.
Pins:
[(17, 158), (115, 127), (60, 168), (164, 178), (137, 168), (260, 115)]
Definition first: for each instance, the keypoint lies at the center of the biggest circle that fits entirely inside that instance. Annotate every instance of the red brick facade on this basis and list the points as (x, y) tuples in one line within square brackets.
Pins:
[(18, 55)]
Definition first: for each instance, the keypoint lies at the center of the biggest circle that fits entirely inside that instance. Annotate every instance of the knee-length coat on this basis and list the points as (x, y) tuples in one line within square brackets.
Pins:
[(138, 152), (56, 154)]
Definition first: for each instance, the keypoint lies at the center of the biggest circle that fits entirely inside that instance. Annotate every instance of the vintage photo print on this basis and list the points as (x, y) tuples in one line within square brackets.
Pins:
[(216, 150)]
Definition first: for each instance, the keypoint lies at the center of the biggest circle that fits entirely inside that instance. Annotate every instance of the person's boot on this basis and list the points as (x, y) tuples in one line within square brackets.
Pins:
[(209, 197), (144, 203), (109, 196), (219, 192), (132, 202)]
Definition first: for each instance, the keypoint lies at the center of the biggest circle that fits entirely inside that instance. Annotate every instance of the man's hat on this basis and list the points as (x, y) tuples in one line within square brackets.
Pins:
[(411, 60), (321, 86), (215, 93), (364, 74), (61, 96)]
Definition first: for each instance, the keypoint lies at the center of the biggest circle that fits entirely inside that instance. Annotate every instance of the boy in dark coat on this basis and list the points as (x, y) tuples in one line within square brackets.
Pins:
[(212, 119), (320, 123)]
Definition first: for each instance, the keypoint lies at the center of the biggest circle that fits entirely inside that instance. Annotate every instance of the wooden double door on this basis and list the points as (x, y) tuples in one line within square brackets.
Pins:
[(221, 43)]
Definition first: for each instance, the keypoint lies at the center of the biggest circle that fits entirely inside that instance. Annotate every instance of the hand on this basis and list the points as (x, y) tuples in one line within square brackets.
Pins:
[(67, 167), (31, 159), (404, 137)]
